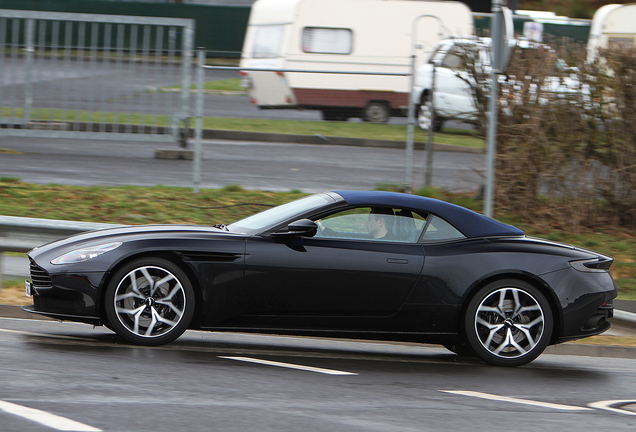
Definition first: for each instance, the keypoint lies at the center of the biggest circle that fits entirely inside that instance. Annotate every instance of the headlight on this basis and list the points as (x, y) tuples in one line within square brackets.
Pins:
[(85, 254)]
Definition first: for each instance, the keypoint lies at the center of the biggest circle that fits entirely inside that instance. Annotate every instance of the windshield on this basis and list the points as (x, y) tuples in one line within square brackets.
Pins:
[(279, 214)]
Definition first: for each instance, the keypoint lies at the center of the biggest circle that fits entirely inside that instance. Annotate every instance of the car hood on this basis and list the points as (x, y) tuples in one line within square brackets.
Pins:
[(131, 232)]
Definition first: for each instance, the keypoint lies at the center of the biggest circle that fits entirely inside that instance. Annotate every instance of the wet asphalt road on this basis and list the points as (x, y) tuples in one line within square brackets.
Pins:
[(253, 165), (209, 381)]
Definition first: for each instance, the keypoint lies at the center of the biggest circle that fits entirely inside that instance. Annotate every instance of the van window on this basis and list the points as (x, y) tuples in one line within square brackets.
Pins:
[(453, 61), (327, 40), (267, 41)]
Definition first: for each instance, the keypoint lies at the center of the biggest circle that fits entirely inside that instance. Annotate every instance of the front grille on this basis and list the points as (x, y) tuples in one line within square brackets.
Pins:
[(40, 277)]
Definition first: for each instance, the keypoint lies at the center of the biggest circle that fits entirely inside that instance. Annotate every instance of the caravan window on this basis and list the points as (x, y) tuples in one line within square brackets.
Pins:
[(267, 41), (327, 40)]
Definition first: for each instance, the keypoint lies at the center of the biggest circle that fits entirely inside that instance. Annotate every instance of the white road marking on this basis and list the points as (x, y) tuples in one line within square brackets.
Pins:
[(516, 400), (47, 419), (609, 405), (289, 366)]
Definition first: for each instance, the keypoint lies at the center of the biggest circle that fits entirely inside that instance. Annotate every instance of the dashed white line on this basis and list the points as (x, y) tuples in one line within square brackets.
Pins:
[(611, 405), (516, 400), (47, 419), (289, 366)]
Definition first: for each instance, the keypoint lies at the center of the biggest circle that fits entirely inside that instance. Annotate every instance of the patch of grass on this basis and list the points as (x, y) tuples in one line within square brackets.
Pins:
[(229, 85), (339, 129), (233, 188), (9, 151), (390, 187), (13, 293), (136, 205)]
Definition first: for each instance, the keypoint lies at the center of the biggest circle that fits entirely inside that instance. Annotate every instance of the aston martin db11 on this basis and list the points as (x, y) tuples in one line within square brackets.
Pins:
[(369, 265)]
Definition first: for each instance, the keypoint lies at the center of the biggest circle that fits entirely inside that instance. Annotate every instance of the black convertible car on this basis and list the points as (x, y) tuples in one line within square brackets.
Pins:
[(373, 265)]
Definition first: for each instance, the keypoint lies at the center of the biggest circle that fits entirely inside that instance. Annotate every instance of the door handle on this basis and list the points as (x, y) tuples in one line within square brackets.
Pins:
[(397, 261)]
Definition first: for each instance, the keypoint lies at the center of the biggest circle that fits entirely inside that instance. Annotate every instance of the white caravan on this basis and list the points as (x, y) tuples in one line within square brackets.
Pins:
[(612, 27), (373, 36)]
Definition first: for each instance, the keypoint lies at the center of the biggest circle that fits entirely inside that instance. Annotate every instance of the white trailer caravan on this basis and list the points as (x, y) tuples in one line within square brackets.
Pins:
[(612, 27), (375, 36)]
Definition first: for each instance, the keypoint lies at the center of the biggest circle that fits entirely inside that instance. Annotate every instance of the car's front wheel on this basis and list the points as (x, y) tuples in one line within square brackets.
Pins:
[(424, 117), (508, 323), (150, 301)]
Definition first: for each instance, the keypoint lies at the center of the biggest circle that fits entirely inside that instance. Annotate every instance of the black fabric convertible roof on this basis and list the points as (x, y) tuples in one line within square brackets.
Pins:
[(470, 223)]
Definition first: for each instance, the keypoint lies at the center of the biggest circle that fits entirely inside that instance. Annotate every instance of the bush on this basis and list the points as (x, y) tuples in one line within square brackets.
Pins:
[(566, 138)]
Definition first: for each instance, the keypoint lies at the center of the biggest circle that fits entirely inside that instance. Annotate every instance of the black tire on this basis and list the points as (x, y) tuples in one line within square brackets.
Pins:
[(508, 323), (376, 112), (144, 313)]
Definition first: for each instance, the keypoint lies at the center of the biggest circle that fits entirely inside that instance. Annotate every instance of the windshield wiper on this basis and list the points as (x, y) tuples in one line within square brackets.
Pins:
[(221, 226)]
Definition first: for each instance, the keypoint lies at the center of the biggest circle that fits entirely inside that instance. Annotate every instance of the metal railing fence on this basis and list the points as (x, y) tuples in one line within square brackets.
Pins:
[(399, 71), (18, 234), (66, 75)]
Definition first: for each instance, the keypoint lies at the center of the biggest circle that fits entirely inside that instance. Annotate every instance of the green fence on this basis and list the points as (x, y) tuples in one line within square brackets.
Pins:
[(574, 32), (219, 29)]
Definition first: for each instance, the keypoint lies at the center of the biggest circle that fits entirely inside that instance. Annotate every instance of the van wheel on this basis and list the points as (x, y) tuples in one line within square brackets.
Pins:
[(424, 117), (376, 112)]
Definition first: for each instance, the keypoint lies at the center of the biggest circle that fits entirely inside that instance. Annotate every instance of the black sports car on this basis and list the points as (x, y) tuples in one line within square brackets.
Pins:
[(374, 265)]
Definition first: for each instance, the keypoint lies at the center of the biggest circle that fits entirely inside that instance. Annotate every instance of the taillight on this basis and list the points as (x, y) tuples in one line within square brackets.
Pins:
[(594, 265)]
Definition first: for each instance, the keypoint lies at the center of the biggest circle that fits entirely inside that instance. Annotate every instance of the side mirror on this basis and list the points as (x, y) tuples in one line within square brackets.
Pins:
[(300, 228)]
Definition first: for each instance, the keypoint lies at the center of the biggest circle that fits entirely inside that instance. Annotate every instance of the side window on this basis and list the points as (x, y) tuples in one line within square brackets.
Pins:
[(453, 61), (327, 40), (438, 229), (267, 41), (375, 224)]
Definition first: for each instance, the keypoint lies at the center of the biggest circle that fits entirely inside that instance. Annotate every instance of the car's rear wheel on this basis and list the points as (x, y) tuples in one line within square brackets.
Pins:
[(508, 323), (150, 301)]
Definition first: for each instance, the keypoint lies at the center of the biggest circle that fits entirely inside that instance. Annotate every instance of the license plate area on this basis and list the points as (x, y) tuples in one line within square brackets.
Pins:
[(28, 288)]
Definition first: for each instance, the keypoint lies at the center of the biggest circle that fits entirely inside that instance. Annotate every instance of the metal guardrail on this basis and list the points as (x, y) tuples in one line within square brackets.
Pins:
[(18, 234)]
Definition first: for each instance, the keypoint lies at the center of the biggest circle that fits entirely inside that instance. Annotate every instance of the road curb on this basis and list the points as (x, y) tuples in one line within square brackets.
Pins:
[(575, 349), (315, 139)]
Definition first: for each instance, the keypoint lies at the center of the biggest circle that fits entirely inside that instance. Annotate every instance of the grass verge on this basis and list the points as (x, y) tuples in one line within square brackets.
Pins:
[(460, 137)]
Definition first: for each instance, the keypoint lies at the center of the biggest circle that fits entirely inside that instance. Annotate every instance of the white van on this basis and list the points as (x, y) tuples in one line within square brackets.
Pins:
[(453, 93), (612, 26), (373, 36)]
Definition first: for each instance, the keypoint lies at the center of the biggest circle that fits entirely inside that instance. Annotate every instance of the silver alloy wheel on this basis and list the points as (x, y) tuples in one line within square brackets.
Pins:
[(150, 301), (509, 323)]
